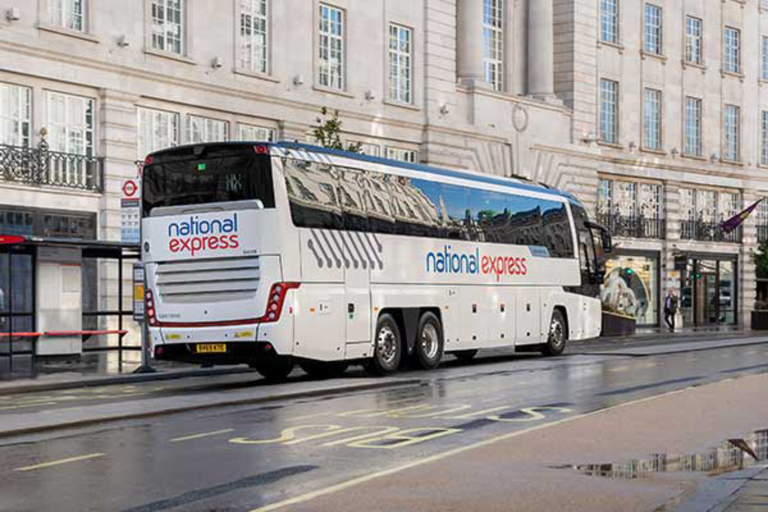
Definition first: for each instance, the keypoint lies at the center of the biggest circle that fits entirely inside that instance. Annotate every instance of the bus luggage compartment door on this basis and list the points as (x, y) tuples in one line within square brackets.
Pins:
[(357, 283)]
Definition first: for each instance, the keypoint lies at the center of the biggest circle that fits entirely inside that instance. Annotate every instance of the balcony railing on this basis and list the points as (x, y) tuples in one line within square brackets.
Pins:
[(40, 166), (708, 232), (633, 227)]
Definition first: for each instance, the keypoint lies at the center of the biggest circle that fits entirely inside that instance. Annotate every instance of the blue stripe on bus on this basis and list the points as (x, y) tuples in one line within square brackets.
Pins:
[(427, 169)]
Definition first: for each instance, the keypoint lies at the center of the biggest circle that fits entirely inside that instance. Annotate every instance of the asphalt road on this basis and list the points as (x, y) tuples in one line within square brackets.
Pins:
[(249, 457)]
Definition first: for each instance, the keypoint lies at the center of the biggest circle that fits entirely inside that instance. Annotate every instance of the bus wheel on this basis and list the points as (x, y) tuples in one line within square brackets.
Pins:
[(324, 370), (558, 335), (465, 355), (428, 350), (274, 369), (389, 347)]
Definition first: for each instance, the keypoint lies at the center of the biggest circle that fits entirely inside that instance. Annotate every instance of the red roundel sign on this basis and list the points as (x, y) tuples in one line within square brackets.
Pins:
[(130, 188)]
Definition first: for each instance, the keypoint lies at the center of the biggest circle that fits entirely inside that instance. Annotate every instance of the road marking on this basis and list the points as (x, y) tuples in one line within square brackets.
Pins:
[(619, 369), (22, 406), (60, 462), (200, 436), (308, 416), (455, 451)]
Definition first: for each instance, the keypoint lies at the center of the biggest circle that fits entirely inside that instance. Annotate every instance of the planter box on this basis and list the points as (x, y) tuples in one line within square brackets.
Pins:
[(760, 320), (618, 325)]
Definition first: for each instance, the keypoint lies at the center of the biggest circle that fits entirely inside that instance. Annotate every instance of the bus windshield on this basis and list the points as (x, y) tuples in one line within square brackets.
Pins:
[(220, 174)]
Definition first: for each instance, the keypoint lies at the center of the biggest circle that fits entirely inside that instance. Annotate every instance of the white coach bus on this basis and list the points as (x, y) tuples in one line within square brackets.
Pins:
[(277, 254)]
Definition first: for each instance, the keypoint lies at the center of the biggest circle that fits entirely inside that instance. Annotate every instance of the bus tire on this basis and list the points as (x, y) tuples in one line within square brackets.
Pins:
[(557, 337), (388, 347), (428, 349), (274, 369), (324, 370), (465, 355)]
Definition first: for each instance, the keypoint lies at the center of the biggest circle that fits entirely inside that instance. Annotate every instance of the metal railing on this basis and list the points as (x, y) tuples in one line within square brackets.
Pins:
[(762, 233), (633, 227), (41, 166), (708, 232)]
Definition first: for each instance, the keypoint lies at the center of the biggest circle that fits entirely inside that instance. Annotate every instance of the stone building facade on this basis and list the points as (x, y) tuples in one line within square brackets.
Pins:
[(539, 88)]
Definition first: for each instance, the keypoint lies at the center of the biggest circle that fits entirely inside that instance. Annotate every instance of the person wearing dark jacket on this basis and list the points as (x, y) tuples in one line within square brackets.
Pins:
[(670, 309)]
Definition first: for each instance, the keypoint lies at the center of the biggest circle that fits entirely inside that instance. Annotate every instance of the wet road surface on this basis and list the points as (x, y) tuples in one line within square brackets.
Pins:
[(243, 458)]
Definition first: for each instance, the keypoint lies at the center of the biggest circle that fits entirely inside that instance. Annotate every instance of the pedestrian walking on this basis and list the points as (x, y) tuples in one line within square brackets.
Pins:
[(670, 309)]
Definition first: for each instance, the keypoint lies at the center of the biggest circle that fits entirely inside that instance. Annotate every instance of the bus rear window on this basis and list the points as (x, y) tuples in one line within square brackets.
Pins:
[(236, 173)]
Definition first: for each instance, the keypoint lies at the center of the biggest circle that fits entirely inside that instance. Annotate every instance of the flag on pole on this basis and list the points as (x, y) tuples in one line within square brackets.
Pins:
[(737, 220)]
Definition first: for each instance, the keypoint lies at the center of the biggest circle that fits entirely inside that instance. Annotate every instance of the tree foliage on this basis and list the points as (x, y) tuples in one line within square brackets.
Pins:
[(760, 259), (327, 133)]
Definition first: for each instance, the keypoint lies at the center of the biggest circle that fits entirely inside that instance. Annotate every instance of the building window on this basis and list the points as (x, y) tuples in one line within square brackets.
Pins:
[(732, 60), (255, 133), (609, 25), (69, 14), (404, 155), (653, 29), (368, 149), (652, 119), (71, 130), (157, 130), (204, 129), (400, 63), (692, 126), (493, 42), (332, 62), (254, 36), (732, 133), (168, 26), (609, 106), (693, 40), (15, 115), (764, 147), (764, 71)]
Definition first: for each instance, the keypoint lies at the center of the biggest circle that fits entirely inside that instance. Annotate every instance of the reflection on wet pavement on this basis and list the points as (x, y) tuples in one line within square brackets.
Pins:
[(731, 455)]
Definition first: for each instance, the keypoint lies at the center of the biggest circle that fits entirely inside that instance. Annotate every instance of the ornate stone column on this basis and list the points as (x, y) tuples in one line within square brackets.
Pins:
[(470, 41), (541, 50)]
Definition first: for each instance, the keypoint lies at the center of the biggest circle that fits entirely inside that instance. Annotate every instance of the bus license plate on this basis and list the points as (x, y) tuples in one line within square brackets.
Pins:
[(211, 348)]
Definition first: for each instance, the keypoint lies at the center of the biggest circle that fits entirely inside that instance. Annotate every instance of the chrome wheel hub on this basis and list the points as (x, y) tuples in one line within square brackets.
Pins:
[(430, 341), (556, 333), (386, 344)]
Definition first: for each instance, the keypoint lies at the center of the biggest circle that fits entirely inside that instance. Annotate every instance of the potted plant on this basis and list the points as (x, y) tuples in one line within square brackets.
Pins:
[(617, 323)]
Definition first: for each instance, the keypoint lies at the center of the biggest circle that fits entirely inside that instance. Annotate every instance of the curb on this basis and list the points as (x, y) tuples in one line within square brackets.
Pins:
[(679, 350), (119, 379), (337, 390)]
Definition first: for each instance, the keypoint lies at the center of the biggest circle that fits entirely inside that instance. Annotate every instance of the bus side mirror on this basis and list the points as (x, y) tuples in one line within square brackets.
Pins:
[(607, 241)]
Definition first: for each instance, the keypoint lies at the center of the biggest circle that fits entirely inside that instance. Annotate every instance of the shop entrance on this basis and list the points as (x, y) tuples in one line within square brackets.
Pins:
[(709, 292)]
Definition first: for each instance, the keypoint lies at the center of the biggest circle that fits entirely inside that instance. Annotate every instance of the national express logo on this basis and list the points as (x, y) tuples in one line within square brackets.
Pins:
[(473, 263), (197, 235)]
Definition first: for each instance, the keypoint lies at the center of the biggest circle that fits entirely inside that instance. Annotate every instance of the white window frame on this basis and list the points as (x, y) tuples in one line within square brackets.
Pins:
[(160, 38), (653, 29), (652, 119), (764, 67), (732, 50), (331, 41), (205, 127), (254, 35), (493, 43), (764, 137), (400, 154), (610, 115), (63, 137), (15, 121), (694, 40), (732, 135), (70, 14), (255, 133), (693, 126), (400, 63), (609, 21), (158, 129)]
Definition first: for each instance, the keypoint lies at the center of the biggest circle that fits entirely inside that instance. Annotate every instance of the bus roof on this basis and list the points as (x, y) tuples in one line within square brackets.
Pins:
[(519, 183)]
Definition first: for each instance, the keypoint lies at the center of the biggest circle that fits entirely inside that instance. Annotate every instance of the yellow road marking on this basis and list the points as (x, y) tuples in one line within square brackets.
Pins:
[(204, 434), (60, 462), (619, 369), (22, 406), (455, 451), (308, 416)]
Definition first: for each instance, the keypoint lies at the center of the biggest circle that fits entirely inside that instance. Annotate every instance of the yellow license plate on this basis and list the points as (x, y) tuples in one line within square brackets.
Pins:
[(211, 348)]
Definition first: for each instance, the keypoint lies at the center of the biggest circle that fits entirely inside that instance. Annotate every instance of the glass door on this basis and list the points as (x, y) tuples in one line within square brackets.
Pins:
[(17, 285)]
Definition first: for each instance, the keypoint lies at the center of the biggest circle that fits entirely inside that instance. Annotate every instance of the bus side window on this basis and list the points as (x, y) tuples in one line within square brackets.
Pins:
[(585, 252), (352, 198), (312, 193)]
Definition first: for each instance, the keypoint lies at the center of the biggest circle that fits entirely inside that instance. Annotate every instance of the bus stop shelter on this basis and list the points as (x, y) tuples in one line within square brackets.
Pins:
[(61, 298)]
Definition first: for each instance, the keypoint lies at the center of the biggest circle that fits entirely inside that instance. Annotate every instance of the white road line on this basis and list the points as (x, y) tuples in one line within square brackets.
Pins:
[(60, 462), (204, 434), (455, 451)]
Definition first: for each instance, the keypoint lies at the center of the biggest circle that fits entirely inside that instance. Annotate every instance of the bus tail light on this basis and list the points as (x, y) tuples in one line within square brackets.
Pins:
[(275, 302), (149, 306), (261, 149)]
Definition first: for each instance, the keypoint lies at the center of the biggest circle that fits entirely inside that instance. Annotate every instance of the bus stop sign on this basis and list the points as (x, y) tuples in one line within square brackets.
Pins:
[(138, 292)]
